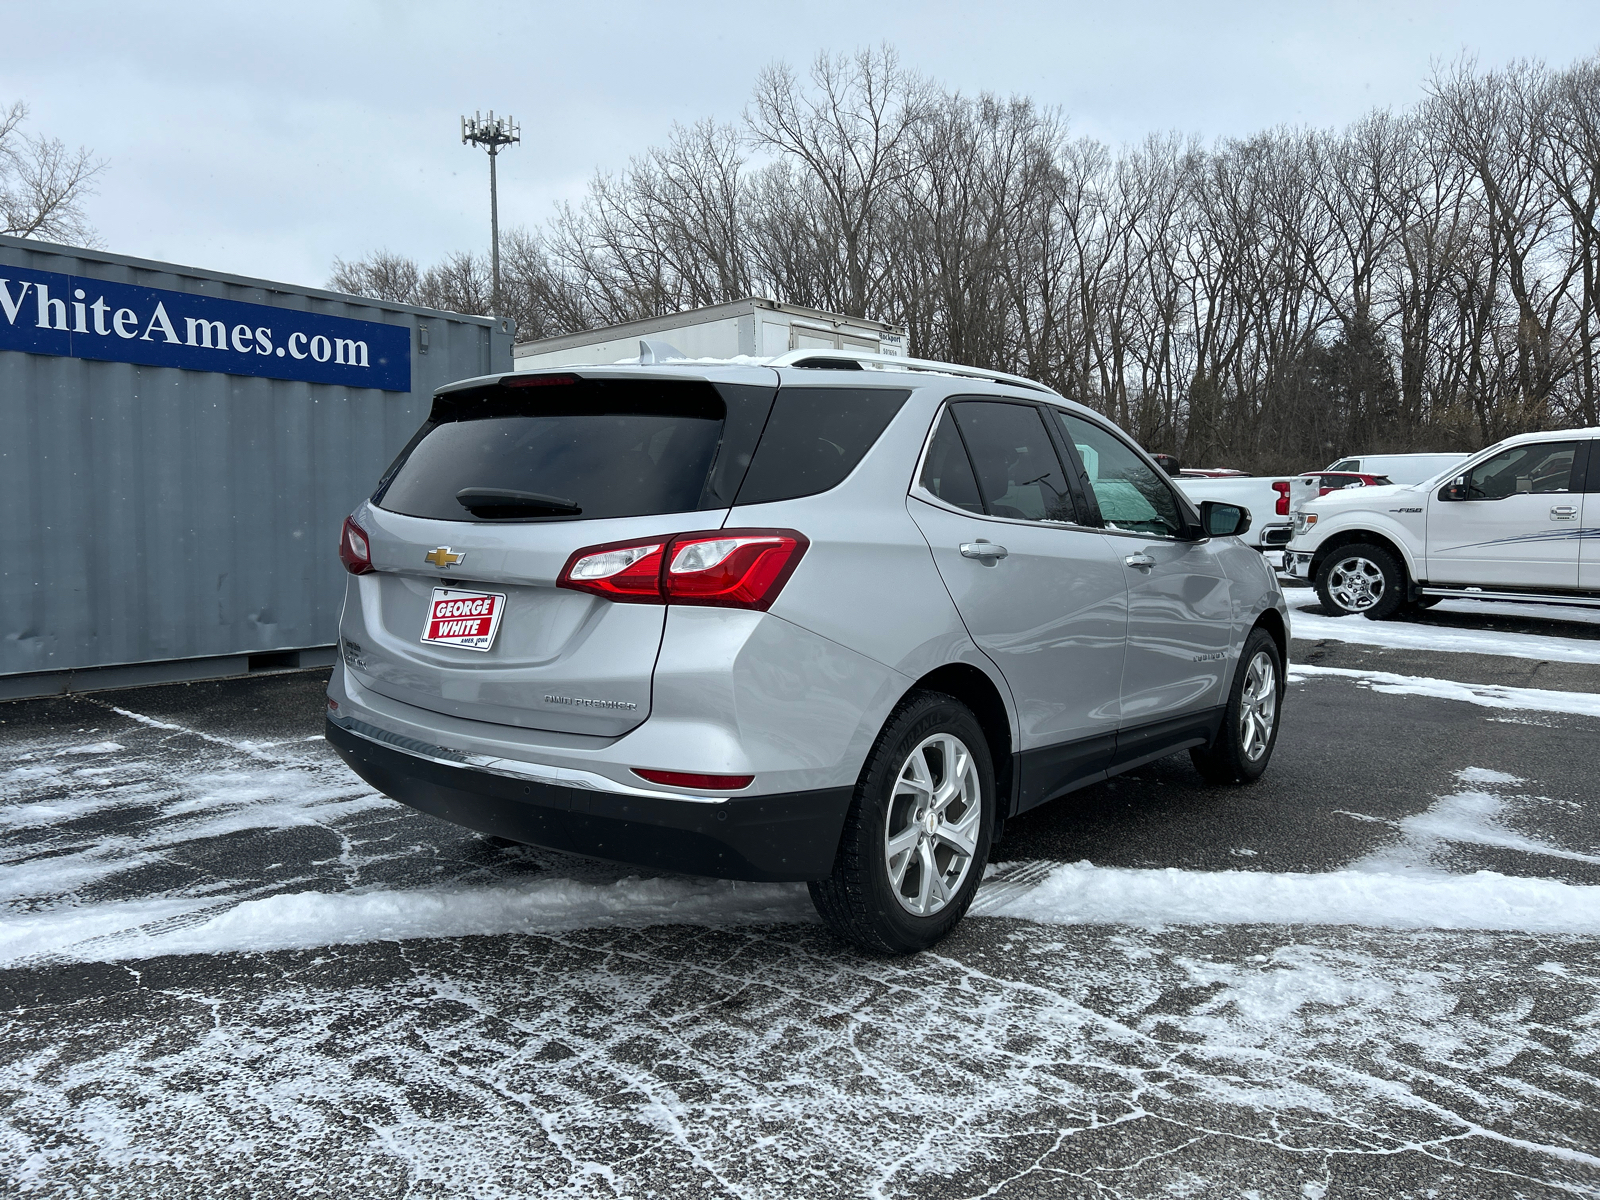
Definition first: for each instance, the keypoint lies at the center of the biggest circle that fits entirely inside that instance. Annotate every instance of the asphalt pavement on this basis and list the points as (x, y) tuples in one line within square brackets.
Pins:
[(758, 1056)]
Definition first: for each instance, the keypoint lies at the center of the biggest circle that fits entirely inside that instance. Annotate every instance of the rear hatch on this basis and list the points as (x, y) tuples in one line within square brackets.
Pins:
[(513, 476)]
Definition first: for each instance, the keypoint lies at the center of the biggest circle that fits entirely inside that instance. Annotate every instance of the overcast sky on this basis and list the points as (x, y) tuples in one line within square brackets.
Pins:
[(266, 139)]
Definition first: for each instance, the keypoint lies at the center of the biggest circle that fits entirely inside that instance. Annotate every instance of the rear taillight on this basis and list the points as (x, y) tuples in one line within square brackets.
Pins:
[(1282, 488), (722, 568), (687, 779), (354, 552), (617, 571)]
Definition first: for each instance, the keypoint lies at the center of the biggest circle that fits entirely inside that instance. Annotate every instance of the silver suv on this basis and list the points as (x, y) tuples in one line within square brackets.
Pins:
[(833, 620)]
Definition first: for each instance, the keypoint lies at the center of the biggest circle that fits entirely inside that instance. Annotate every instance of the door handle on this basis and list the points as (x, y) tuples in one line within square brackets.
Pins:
[(983, 549), (1142, 561), (1564, 512)]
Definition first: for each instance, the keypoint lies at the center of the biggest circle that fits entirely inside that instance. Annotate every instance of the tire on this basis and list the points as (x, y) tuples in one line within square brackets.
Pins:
[(1249, 732), (890, 902), (1361, 579)]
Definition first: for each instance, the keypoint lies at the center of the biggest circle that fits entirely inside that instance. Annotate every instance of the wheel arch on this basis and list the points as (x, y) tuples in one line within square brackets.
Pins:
[(1272, 621), (1368, 536), (968, 684)]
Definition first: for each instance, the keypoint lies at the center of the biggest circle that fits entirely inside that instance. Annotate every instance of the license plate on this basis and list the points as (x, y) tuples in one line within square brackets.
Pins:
[(465, 619)]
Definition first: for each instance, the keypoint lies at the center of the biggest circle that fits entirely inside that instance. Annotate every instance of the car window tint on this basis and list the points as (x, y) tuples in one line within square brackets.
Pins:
[(1019, 475), (1130, 493), (593, 450), (814, 438), (947, 472), (1522, 470)]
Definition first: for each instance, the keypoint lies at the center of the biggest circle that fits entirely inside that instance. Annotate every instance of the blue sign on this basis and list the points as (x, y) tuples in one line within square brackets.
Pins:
[(73, 316)]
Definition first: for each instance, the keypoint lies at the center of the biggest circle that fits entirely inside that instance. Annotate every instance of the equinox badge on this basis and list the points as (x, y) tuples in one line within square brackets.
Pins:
[(443, 557)]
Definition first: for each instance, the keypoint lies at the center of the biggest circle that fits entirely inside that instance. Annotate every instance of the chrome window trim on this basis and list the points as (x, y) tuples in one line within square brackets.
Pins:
[(917, 491)]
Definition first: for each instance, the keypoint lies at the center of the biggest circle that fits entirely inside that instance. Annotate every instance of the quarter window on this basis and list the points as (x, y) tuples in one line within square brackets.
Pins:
[(1018, 473), (1131, 495), (814, 438), (947, 473)]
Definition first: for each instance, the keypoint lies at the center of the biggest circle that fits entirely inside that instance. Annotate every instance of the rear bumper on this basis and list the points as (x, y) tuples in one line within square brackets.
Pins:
[(786, 837)]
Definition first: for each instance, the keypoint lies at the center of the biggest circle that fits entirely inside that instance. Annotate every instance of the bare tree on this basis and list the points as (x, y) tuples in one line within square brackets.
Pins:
[(43, 184), (1568, 117), (1425, 279), (849, 135), (380, 275)]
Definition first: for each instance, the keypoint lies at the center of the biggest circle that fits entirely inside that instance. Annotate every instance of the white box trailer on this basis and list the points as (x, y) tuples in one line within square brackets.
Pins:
[(752, 327)]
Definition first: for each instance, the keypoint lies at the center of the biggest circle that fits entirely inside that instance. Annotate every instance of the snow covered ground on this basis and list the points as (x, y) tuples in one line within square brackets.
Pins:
[(228, 967)]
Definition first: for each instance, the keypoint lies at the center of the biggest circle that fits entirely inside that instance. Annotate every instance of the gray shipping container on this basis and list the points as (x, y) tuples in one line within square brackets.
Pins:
[(158, 522)]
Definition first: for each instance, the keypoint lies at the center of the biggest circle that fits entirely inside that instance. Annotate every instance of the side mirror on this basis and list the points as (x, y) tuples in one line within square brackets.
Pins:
[(1224, 520), (1456, 489)]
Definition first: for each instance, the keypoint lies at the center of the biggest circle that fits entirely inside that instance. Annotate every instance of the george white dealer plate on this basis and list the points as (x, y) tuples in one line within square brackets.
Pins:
[(466, 619)]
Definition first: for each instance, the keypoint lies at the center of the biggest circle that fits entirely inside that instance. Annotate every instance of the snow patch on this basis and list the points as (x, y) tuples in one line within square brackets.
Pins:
[(1083, 894), (306, 920), (1305, 623), (93, 748), (1486, 695), (1470, 817)]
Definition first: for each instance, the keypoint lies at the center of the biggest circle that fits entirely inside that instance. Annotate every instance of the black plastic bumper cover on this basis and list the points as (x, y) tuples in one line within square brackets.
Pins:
[(786, 837)]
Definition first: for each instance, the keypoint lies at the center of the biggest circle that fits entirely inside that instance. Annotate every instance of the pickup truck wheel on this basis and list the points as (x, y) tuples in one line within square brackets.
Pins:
[(1243, 745), (1362, 579), (917, 835)]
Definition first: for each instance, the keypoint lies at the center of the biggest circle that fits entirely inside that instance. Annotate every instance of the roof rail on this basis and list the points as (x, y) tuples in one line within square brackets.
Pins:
[(893, 362)]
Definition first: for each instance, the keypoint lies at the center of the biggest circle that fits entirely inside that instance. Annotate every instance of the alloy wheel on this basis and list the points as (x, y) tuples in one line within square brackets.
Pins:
[(1356, 584), (1258, 706), (931, 832)]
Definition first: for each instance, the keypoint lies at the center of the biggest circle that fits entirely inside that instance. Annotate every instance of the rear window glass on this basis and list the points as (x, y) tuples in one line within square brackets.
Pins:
[(579, 452), (814, 438)]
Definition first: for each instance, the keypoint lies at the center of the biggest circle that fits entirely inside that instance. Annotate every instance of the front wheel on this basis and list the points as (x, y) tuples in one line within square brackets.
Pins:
[(1361, 579), (1243, 745), (917, 834)]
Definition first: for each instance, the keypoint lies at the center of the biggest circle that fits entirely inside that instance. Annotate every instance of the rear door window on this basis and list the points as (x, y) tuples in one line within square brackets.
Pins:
[(1019, 474), (584, 450), (814, 438)]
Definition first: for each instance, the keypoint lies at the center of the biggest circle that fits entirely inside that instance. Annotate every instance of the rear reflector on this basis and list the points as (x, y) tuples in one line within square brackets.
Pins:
[(721, 568), (685, 779), (354, 552), (1282, 488)]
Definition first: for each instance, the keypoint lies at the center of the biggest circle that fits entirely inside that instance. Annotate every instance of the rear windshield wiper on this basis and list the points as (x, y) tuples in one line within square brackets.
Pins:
[(503, 502)]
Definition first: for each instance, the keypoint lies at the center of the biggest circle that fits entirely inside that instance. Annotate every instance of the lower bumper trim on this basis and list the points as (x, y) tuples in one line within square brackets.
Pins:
[(792, 836)]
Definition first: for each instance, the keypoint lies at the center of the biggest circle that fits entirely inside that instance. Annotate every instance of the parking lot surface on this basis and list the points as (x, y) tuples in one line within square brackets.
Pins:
[(227, 967)]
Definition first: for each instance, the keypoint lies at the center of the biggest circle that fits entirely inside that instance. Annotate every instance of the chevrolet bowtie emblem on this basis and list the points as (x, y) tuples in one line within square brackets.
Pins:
[(443, 557)]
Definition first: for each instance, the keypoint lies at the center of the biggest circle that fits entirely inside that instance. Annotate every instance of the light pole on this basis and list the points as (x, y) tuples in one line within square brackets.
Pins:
[(492, 133)]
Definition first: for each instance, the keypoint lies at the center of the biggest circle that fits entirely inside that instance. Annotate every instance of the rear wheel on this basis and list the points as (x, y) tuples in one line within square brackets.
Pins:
[(1361, 579), (1243, 746), (917, 835)]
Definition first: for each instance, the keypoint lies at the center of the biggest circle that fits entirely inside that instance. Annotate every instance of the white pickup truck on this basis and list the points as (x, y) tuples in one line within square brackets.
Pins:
[(1266, 497), (1513, 522)]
